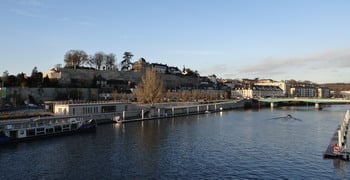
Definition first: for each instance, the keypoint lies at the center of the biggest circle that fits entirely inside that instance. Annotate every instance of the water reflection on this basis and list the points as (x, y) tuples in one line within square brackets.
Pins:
[(340, 168), (225, 145)]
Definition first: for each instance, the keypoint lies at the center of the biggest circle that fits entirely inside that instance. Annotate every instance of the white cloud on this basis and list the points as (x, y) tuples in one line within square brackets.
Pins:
[(195, 52), (29, 3), (25, 13), (327, 65), (338, 58)]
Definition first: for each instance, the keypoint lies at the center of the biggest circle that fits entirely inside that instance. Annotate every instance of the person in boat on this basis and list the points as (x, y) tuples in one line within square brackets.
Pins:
[(288, 117)]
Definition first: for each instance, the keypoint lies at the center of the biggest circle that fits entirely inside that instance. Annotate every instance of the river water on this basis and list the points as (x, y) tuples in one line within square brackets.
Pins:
[(238, 144)]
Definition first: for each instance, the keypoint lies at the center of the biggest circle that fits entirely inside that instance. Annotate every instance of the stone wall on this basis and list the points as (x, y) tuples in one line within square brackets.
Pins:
[(48, 94), (87, 75)]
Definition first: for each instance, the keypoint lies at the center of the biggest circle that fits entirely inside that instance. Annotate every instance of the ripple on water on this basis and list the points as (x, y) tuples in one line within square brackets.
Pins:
[(235, 145)]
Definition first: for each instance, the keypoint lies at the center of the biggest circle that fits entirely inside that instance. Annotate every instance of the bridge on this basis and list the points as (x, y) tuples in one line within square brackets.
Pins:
[(316, 101)]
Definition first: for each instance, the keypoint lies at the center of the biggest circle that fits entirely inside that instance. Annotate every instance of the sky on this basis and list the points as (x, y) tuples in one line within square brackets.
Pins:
[(266, 39)]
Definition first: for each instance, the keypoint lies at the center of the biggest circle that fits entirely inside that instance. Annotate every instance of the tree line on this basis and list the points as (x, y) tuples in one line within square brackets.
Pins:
[(100, 60), (36, 79)]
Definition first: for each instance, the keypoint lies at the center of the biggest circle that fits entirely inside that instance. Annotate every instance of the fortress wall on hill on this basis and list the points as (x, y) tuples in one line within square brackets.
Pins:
[(87, 75), (48, 94)]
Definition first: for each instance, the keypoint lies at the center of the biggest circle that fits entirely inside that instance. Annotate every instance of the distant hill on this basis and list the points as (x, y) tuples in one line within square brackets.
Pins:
[(337, 86)]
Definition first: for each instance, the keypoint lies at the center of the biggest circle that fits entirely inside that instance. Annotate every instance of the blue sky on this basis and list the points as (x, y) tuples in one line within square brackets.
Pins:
[(296, 39)]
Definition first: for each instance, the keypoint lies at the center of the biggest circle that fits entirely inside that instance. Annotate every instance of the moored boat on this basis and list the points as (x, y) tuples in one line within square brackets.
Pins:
[(25, 129)]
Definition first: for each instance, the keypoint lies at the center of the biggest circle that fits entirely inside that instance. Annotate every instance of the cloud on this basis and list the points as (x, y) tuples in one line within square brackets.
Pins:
[(27, 8), (71, 21), (25, 13), (195, 52), (29, 3), (338, 58), (331, 65), (220, 70)]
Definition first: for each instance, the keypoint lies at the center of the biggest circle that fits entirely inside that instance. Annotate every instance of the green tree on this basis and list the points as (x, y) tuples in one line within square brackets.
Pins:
[(150, 90), (126, 63), (12, 81), (36, 78), (22, 80), (75, 58)]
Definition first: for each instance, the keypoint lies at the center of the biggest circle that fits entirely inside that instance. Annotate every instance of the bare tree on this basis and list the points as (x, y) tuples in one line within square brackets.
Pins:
[(98, 59), (150, 90), (74, 58), (110, 61)]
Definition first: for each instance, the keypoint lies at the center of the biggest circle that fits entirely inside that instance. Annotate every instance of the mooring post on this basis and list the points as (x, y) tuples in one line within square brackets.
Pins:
[(142, 114), (123, 115), (317, 106), (271, 104), (339, 139), (172, 109), (198, 109), (158, 112)]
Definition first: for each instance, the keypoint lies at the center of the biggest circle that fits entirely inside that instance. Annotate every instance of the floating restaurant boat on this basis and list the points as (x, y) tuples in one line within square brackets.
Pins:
[(26, 129)]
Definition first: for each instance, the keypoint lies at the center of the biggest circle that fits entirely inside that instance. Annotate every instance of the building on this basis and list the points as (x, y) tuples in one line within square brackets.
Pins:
[(281, 84), (303, 91), (140, 65), (257, 91), (160, 68), (323, 92), (77, 109), (174, 70)]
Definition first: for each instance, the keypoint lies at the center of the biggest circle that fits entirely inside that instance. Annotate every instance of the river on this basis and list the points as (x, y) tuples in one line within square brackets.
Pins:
[(238, 144)]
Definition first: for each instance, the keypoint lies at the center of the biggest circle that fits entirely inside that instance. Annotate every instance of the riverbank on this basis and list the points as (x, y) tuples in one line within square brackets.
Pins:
[(167, 110), (106, 111)]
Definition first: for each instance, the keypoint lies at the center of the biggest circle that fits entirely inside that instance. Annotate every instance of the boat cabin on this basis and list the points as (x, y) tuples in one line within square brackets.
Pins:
[(73, 109)]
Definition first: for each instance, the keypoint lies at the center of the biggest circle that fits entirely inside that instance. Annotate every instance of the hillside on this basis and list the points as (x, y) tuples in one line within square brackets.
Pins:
[(337, 86)]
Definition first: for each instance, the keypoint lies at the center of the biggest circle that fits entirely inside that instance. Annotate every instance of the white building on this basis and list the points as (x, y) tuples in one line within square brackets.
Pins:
[(281, 84), (257, 91), (303, 91), (323, 92), (74, 109)]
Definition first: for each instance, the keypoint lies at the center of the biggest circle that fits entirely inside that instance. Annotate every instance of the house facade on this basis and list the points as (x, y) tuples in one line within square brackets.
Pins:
[(303, 91), (323, 92), (257, 91)]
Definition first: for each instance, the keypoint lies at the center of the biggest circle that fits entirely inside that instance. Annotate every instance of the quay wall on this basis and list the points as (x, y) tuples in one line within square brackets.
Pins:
[(155, 112)]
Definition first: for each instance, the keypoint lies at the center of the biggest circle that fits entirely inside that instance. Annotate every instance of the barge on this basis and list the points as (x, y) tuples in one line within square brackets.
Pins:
[(25, 129)]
